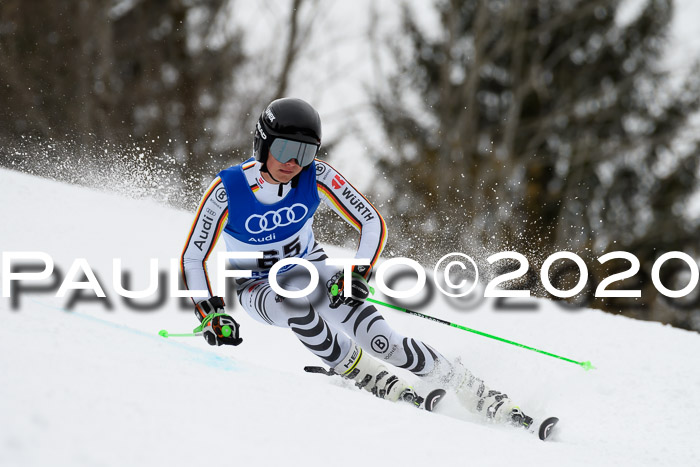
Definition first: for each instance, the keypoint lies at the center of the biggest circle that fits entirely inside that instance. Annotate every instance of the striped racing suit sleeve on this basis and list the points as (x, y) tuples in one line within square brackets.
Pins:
[(336, 192), (209, 221)]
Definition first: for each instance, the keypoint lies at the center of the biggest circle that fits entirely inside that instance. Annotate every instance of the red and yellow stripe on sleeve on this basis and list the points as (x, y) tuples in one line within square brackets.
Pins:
[(347, 215), (382, 240), (352, 219), (217, 232)]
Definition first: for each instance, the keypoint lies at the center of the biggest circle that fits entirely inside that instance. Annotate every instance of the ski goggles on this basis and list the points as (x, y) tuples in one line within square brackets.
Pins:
[(284, 150)]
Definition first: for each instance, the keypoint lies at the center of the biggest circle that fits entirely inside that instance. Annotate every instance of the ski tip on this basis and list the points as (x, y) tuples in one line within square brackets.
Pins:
[(433, 398), (546, 427), (163, 333)]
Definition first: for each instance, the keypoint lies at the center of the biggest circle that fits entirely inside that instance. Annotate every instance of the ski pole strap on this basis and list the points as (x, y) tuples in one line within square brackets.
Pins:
[(585, 365), (206, 320)]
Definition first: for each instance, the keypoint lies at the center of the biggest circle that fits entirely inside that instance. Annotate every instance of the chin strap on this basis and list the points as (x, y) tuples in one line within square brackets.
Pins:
[(294, 181), (263, 168)]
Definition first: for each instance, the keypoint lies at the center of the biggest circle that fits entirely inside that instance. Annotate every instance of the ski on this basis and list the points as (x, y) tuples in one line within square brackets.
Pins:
[(427, 403), (542, 430), (319, 370), (546, 427), (432, 399)]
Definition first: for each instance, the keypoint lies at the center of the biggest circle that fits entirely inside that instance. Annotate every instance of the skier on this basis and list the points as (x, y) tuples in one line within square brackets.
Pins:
[(266, 204)]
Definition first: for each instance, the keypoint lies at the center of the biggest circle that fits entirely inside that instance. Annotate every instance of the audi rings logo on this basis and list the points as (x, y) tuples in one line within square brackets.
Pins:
[(269, 221)]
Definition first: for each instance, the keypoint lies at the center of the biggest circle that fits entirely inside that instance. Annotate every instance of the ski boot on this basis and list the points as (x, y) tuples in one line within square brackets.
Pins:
[(371, 375), (478, 398), (518, 418), (542, 430)]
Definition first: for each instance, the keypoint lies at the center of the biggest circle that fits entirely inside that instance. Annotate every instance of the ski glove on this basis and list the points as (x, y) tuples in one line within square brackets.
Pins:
[(209, 306), (222, 330), (219, 328), (336, 287)]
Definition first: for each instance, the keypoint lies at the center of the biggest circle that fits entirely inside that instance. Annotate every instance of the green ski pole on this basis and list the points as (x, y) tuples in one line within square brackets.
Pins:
[(225, 330), (585, 365), (166, 334)]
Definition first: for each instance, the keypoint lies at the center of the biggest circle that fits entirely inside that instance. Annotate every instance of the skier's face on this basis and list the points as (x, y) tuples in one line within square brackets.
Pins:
[(282, 172)]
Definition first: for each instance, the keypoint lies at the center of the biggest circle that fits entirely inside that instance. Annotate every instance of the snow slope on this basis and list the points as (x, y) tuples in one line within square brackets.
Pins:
[(95, 386)]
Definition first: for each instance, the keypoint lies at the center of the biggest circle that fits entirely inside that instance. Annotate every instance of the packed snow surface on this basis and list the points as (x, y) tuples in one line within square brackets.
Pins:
[(98, 386)]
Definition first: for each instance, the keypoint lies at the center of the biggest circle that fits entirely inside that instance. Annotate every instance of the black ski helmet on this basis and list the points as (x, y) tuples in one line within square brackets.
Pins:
[(288, 118)]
